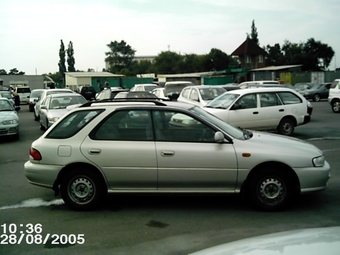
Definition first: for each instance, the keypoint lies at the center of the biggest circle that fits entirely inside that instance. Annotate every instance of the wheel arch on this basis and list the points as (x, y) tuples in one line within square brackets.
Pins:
[(291, 117), (73, 167), (288, 171)]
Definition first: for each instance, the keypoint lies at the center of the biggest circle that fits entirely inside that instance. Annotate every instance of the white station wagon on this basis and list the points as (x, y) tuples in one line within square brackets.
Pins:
[(158, 147), (280, 109)]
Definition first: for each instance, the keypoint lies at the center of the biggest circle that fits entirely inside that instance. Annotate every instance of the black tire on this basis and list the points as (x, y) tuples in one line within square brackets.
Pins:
[(316, 98), (286, 126), (42, 127), (83, 189), (336, 106), (270, 190)]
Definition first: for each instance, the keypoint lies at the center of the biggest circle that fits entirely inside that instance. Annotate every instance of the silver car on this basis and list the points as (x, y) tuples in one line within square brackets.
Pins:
[(162, 147), (54, 106)]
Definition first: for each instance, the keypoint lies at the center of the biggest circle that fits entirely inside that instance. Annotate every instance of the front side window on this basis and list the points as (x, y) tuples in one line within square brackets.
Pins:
[(72, 124), (247, 102), (289, 98)]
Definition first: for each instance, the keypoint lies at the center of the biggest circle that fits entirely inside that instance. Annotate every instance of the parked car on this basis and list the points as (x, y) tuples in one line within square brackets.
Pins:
[(230, 86), (109, 93), (160, 93), (334, 96), (135, 95), (7, 94), (144, 87), (42, 97), (88, 92), (280, 109), (166, 146), (172, 89), (246, 84), (199, 95), (316, 92), (322, 240), (24, 93), (302, 86), (55, 105), (34, 97), (9, 120)]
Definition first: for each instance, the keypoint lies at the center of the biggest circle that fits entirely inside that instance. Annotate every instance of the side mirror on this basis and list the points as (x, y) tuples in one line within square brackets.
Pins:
[(219, 137), (43, 107)]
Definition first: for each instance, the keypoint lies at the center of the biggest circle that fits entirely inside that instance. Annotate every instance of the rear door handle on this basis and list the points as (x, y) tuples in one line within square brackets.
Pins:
[(281, 110), (255, 112), (95, 151)]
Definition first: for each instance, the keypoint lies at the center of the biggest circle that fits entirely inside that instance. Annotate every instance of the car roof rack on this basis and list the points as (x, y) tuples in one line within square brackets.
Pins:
[(125, 100)]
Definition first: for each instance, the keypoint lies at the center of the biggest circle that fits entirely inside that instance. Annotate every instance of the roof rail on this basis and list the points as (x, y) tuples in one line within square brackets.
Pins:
[(123, 100)]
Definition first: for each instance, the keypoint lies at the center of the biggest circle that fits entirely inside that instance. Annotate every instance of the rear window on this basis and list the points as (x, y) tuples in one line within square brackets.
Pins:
[(334, 84), (23, 90), (72, 124)]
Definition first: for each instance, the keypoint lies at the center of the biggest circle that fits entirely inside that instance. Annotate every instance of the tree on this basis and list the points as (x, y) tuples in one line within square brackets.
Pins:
[(168, 62), (15, 71), (317, 56), (3, 72), (70, 58), (253, 34), (61, 64), (120, 56), (274, 55)]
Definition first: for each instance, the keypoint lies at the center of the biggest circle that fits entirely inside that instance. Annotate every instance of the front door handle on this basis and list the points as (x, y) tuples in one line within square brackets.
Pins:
[(281, 110), (255, 112), (167, 153)]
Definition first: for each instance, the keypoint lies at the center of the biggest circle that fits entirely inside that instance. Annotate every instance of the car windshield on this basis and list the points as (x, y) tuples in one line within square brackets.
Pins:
[(5, 106), (231, 130), (150, 87), (211, 93), (223, 101), (63, 102)]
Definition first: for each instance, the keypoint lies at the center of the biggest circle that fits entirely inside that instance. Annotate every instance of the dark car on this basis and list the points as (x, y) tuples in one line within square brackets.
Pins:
[(88, 92), (316, 92)]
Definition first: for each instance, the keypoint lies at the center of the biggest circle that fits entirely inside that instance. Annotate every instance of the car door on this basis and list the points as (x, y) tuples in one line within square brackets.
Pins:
[(244, 112), (188, 158), (123, 149)]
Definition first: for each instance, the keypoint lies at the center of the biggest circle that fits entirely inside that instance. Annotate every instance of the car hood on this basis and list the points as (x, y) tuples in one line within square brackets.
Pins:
[(313, 241), (8, 115), (274, 141)]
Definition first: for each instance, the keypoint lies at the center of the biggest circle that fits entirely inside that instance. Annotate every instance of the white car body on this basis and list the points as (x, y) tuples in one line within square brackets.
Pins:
[(144, 87), (43, 97), (246, 84), (200, 95), (9, 120), (267, 110), (311, 241), (334, 96)]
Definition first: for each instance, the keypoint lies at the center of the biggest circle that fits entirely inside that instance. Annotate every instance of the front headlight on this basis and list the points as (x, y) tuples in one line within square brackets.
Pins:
[(319, 161), (54, 119), (10, 122)]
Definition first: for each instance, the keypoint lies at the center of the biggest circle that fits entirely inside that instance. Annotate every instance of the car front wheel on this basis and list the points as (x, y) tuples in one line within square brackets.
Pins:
[(316, 98), (270, 190), (286, 126), (336, 106), (82, 189)]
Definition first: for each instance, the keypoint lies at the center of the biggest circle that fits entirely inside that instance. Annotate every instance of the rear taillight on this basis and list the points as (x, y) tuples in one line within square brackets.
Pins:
[(35, 154)]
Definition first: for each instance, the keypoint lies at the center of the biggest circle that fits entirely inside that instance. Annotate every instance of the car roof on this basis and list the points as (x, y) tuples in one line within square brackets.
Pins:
[(65, 95), (260, 89)]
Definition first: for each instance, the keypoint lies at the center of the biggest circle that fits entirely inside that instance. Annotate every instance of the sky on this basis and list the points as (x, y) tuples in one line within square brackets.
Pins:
[(30, 31)]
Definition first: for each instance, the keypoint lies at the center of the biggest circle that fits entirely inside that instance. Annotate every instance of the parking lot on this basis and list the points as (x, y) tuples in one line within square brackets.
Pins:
[(152, 224)]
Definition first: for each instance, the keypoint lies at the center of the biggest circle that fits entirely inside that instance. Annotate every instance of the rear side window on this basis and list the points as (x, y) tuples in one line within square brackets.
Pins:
[(289, 98), (74, 122)]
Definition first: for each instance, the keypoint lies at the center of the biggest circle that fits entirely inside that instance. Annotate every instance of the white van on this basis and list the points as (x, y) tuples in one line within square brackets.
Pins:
[(24, 93)]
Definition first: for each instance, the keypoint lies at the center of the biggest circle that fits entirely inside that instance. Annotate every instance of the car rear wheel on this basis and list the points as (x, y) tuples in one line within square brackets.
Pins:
[(82, 189), (286, 126), (270, 190), (316, 98), (336, 106)]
